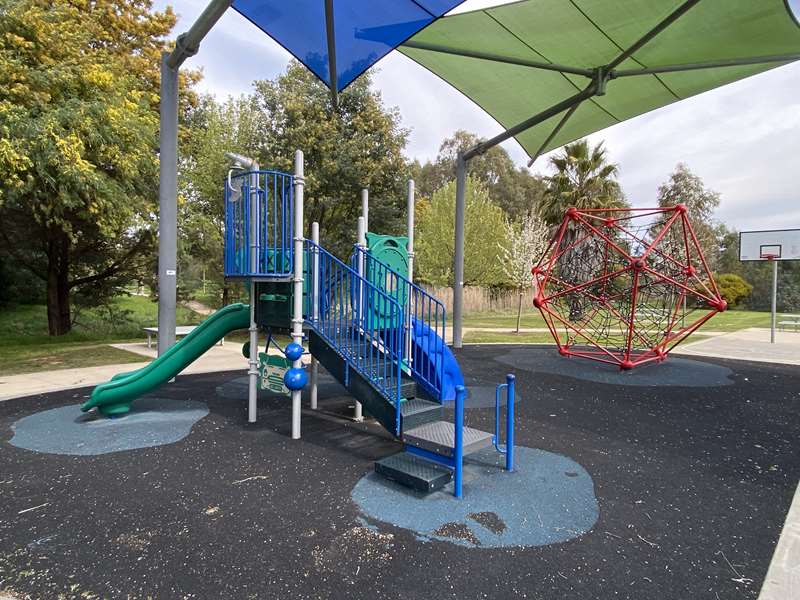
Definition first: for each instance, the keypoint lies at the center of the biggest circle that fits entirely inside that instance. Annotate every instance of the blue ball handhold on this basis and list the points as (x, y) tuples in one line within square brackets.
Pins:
[(293, 351), (295, 378)]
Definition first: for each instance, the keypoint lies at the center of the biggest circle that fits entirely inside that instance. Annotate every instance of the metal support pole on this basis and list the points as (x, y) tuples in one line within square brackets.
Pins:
[(314, 306), (510, 399), (365, 207), (458, 435), (358, 413), (186, 45), (458, 255), (252, 372), (330, 31), (297, 294), (774, 300), (167, 206), (410, 248)]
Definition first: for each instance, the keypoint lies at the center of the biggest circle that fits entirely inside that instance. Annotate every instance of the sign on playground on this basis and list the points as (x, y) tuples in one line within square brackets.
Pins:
[(271, 370)]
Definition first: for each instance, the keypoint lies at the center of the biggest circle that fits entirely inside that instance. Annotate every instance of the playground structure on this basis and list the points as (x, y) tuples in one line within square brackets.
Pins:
[(376, 332), (624, 286)]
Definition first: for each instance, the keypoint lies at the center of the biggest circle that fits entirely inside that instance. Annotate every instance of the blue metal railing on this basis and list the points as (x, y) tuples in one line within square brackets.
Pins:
[(341, 297), (259, 208), (422, 314), (508, 450)]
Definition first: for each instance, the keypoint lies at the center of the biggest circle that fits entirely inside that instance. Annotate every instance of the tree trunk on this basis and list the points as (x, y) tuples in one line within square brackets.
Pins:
[(226, 292), (59, 317), (519, 310)]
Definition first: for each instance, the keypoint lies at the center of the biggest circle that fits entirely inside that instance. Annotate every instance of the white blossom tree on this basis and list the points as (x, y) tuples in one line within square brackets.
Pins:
[(525, 242)]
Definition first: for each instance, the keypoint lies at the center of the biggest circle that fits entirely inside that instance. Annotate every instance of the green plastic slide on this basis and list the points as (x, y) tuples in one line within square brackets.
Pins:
[(115, 397)]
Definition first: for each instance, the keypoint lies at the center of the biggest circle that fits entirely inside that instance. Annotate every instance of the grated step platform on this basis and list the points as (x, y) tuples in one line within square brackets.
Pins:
[(417, 412), (414, 472), (439, 437)]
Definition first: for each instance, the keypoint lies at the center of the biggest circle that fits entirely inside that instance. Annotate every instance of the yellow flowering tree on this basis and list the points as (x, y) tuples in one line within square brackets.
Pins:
[(78, 143)]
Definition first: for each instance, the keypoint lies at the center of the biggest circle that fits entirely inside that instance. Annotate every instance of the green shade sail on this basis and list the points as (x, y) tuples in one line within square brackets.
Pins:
[(552, 71)]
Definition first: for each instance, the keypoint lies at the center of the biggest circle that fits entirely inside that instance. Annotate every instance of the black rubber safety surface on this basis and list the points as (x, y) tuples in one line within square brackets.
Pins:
[(693, 485)]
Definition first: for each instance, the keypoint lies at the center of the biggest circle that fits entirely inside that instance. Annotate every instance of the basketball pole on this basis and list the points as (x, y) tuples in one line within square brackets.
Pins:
[(774, 299)]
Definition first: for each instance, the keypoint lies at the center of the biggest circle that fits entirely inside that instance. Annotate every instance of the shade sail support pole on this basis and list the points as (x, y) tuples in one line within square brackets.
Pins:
[(715, 64), (458, 254), (554, 133), (647, 37), (331, 34), (556, 109), (186, 45), (509, 60)]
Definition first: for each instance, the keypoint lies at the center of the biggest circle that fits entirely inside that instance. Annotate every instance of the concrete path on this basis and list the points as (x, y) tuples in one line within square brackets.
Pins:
[(783, 578), (748, 344), (218, 358)]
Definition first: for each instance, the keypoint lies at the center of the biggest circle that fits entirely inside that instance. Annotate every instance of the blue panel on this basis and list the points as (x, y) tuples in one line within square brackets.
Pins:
[(365, 30)]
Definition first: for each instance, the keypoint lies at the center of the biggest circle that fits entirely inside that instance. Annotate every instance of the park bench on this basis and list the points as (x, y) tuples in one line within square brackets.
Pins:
[(789, 321), (180, 331)]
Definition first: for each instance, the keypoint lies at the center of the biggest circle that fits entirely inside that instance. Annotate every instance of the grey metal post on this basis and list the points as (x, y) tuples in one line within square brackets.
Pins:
[(358, 413), (252, 371), (410, 248), (167, 206), (297, 312), (365, 207), (186, 45), (458, 258), (774, 300), (314, 307)]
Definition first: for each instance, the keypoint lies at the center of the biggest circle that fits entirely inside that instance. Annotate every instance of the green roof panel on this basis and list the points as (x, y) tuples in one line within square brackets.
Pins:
[(568, 40)]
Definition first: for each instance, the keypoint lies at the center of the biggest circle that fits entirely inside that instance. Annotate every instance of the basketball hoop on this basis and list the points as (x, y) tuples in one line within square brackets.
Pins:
[(770, 256)]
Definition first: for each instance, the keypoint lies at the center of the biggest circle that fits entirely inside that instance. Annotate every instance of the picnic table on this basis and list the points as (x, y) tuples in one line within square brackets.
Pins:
[(180, 331), (793, 320)]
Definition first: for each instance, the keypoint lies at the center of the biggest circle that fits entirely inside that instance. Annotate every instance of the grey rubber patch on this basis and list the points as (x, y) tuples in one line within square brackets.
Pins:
[(535, 505), (674, 371), (67, 430)]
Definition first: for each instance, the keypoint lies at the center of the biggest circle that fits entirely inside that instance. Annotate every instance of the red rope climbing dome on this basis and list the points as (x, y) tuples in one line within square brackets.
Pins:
[(624, 286)]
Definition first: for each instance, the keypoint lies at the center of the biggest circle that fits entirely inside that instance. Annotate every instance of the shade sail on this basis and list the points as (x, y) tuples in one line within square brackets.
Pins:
[(519, 60), (364, 30)]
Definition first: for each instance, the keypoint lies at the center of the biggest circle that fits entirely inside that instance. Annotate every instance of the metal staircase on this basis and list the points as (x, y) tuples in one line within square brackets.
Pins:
[(359, 330)]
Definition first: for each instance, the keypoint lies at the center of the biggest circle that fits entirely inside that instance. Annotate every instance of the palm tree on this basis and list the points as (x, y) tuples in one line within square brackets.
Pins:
[(584, 179)]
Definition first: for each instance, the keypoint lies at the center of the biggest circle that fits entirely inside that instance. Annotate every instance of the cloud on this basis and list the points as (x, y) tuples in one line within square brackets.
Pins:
[(742, 139)]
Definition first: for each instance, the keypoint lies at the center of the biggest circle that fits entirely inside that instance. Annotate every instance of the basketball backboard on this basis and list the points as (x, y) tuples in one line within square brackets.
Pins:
[(778, 244)]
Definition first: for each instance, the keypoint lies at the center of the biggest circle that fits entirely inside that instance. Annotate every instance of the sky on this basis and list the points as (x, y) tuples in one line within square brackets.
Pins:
[(743, 139)]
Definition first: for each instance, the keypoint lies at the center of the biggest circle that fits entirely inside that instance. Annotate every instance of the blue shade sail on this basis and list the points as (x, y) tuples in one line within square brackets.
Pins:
[(364, 30)]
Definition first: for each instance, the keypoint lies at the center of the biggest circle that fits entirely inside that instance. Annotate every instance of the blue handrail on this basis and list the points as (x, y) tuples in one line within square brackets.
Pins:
[(508, 450), (424, 318), (341, 297), (259, 207)]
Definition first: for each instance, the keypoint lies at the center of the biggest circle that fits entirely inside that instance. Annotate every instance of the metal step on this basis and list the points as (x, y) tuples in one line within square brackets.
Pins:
[(414, 472), (416, 412), (439, 437)]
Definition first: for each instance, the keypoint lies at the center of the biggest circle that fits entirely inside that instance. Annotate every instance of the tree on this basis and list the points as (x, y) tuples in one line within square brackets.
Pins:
[(78, 141), (483, 229), (514, 190), (584, 179), (232, 126), (359, 144), (524, 244), (684, 187), (733, 288)]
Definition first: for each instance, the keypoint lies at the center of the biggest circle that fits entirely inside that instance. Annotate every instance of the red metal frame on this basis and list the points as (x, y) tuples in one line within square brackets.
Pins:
[(608, 326)]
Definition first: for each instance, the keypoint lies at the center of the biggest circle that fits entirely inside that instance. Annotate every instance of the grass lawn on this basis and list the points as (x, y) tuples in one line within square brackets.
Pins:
[(25, 346), (731, 320), (15, 360)]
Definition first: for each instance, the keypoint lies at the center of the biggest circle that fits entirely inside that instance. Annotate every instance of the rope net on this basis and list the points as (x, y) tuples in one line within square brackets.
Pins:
[(624, 286)]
